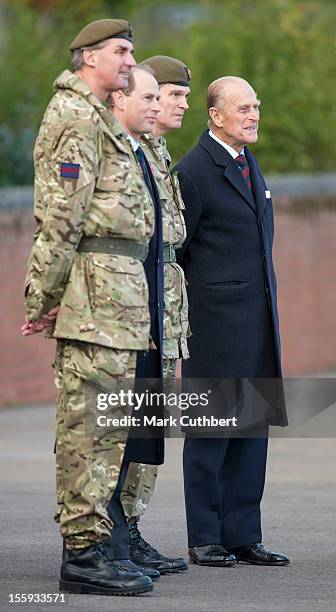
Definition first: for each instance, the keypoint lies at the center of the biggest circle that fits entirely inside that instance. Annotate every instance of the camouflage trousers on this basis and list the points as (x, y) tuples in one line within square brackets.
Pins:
[(141, 477), (88, 457)]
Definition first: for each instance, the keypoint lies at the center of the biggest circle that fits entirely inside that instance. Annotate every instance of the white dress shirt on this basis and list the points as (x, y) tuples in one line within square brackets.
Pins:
[(230, 150), (133, 142)]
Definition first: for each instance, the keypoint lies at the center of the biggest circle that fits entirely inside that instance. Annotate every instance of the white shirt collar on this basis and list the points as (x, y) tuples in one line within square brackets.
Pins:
[(134, 143), (230, 150)]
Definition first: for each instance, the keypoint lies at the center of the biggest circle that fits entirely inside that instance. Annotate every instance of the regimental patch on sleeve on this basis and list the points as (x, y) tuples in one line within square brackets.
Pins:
[(70, 171)]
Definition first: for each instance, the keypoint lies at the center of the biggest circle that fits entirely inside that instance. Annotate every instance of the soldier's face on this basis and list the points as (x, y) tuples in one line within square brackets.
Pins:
[(142, 105), (113, 64), (239, 118), (174, 103)]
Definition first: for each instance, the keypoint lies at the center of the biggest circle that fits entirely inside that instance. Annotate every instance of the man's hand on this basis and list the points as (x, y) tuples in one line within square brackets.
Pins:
[(34, 327)]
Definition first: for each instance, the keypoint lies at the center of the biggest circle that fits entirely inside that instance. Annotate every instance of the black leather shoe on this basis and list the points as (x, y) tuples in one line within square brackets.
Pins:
[(143, 554), (89, 570), (257, 554), (211, 555)]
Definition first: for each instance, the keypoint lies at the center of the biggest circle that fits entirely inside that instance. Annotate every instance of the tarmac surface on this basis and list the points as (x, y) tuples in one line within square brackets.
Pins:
[(299, 518)]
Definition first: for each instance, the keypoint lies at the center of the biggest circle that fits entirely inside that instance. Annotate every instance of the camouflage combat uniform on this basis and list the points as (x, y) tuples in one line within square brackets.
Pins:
[(88, 183), (140, 480)]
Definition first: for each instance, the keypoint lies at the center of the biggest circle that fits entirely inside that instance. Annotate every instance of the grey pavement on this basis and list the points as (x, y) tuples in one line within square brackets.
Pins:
[(299, 511)]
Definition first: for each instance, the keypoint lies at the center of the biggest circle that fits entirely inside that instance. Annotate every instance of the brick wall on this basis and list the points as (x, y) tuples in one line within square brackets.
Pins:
[(25, 363), (305, 256)]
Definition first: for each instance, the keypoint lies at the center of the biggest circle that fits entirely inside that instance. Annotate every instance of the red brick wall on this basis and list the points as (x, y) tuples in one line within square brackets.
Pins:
[(26, 375), (305, 256), (305, 259)]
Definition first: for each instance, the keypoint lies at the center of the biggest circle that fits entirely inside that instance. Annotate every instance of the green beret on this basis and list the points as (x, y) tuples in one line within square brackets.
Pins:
[(168, 70), (97, 31)]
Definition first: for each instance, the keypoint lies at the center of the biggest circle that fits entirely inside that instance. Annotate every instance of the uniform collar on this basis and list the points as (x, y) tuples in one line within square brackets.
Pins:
[(158, 146), (68, 80)]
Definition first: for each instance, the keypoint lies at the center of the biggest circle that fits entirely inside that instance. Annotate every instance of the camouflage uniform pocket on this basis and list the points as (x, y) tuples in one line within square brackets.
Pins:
[(177, 191), (95, 363), (117, 174), (72, 186), (119, 289), (90, 369), (176, 324), (172, 303), (126, 202), (79, 357)]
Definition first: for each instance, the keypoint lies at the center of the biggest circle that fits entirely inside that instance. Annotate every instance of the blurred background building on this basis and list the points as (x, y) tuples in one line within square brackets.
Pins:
[(286, 49)]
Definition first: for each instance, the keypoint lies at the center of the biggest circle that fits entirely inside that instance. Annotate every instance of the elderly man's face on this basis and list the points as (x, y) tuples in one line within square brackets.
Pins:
[(113, 63), (174, 103), (240, 118)]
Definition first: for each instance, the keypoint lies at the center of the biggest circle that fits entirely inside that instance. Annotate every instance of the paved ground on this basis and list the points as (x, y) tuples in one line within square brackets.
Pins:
[(299, 518)]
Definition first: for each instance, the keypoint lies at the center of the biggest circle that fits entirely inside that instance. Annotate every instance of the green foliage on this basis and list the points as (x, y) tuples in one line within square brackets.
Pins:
[(35, 50), (284, 48)]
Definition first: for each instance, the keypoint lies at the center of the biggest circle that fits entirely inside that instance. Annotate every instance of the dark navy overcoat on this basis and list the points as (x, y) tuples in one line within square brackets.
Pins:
[(227, 259)]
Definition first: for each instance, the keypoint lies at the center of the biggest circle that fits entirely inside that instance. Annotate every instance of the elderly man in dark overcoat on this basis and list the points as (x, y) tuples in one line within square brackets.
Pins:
[(227, 259)]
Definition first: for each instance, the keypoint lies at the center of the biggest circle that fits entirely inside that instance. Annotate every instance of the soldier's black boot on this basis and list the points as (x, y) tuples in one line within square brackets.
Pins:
[(132, 567), (143, 554), (153, 574), (89, 570)]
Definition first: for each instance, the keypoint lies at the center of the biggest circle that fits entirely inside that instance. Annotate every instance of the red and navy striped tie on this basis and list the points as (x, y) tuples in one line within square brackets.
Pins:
[(245, 169)]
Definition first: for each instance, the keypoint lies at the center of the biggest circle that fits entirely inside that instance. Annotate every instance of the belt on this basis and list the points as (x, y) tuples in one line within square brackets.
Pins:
[(113, 246), (169, 255)]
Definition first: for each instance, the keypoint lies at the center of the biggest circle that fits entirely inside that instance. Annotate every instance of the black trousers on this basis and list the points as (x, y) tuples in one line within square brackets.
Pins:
[(223, 484), (119, 539), (138, 450), (149, 449)]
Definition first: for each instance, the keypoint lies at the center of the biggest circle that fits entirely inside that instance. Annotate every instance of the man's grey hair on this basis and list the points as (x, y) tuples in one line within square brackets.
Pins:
[(77, 56)]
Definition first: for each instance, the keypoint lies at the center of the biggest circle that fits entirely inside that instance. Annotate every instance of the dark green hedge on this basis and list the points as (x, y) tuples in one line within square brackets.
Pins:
[(285, 48)]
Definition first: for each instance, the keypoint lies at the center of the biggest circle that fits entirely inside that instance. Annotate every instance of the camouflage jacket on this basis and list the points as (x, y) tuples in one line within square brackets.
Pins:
[(88, 183), (175, 327)]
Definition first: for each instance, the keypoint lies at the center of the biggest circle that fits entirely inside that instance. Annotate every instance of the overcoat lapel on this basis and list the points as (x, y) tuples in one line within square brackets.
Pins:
[(235, 177), (222, 157), (258, 187)]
